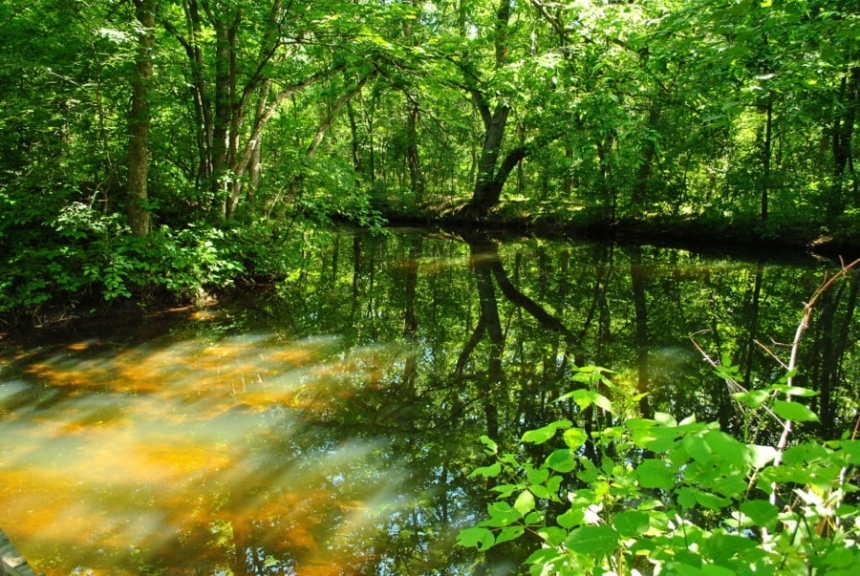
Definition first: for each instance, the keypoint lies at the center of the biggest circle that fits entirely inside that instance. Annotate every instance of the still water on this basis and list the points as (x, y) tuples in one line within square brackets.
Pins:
[(326, 424)]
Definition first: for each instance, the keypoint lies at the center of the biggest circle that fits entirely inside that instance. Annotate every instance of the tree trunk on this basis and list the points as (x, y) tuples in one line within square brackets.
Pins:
[(416, 176), (843, 130), (225, 90), (643, 174), (139, 216), (637, 278), (767, 153)]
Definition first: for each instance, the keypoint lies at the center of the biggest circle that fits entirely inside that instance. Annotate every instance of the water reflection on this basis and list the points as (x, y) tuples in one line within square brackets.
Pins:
[(327, 426)]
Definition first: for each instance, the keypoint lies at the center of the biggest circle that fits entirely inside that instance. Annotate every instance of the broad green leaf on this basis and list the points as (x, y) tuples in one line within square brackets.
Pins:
[(553, 535), (501, 514), (561, 461), (571, 518), (762, 512), (492, 447), (509, 533), (639, 423), (593, 541), (691, 419), (714, 570), (509, 459), (841, 557), (544, 556), (481, 538), (723, 547), (753, 398), (538, 476), (631, 523), (697, 448), (711, 501), (655, 474), (665, 419), (541, 491), (585, 398), (657, 438), (852, 449), (794, 390), (589, 472), (575, 437), (541, 435), (525, 503), (733, 455), (794, 411), (686, 497), (490, 471)]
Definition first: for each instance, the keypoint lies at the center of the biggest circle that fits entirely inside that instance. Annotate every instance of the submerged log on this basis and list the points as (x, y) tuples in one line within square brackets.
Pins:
[(11, 562)]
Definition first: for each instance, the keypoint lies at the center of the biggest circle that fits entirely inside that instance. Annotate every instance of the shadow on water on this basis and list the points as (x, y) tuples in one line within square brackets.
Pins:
[(327, 425)]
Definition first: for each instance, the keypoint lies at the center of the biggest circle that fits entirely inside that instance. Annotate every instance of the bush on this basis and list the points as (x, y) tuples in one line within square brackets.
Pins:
[(676, 498)]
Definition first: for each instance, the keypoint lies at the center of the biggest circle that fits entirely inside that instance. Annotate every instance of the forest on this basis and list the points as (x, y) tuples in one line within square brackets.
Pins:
[(171, 146)]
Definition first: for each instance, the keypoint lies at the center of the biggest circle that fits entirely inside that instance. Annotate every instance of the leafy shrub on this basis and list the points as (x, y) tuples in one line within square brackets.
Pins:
[(670, 497)]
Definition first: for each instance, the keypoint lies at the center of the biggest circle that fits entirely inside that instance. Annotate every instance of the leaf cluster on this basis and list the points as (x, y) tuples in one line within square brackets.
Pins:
[(675, 498)]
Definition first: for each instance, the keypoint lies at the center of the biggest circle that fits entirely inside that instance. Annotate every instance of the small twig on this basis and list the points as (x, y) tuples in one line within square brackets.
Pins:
[(731, 382), (772, 354)]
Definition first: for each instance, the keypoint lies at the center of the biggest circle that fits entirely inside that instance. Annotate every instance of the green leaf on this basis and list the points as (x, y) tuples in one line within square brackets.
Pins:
[(575, 437), (571, 518), (593, 541), (753, 398), (541, 435), (852, 449), (492, 447), (686, 497), (538, 476), (501, 514), (509, 533), (657, 438), (793, 390), (481, 538), (665, 419), (585, 398), (794, 411), (561, 461), (505, 490), (490, 471), (525, 502), (655, 474), (711, 501), (762, 512), (541, 491), (631, 523), (723, 547)]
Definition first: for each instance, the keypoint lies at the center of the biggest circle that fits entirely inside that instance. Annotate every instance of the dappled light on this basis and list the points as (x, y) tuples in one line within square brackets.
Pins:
[(188, 450)]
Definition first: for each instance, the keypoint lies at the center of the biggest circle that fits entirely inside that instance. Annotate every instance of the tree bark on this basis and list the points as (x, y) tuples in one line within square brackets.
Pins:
[(843, 130), (139, 216)]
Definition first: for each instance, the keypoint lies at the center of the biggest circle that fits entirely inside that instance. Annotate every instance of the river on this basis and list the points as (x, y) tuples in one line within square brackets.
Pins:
[(326, 424)]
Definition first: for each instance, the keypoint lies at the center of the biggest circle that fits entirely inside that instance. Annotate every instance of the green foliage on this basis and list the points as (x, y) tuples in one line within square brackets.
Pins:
[(671, 497), (82, 254)]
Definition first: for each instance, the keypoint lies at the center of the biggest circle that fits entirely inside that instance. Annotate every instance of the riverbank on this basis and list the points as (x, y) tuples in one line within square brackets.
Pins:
[(706, 233), (178, 268)]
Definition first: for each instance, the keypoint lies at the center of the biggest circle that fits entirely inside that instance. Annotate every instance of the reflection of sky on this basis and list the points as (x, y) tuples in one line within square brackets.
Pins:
[(206, 457)]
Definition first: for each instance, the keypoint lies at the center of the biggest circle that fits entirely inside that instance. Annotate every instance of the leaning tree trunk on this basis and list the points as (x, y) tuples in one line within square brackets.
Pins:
[(139, 216)]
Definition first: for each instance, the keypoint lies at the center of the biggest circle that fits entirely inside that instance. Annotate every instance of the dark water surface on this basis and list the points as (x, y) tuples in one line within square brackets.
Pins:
[(327, 424)]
